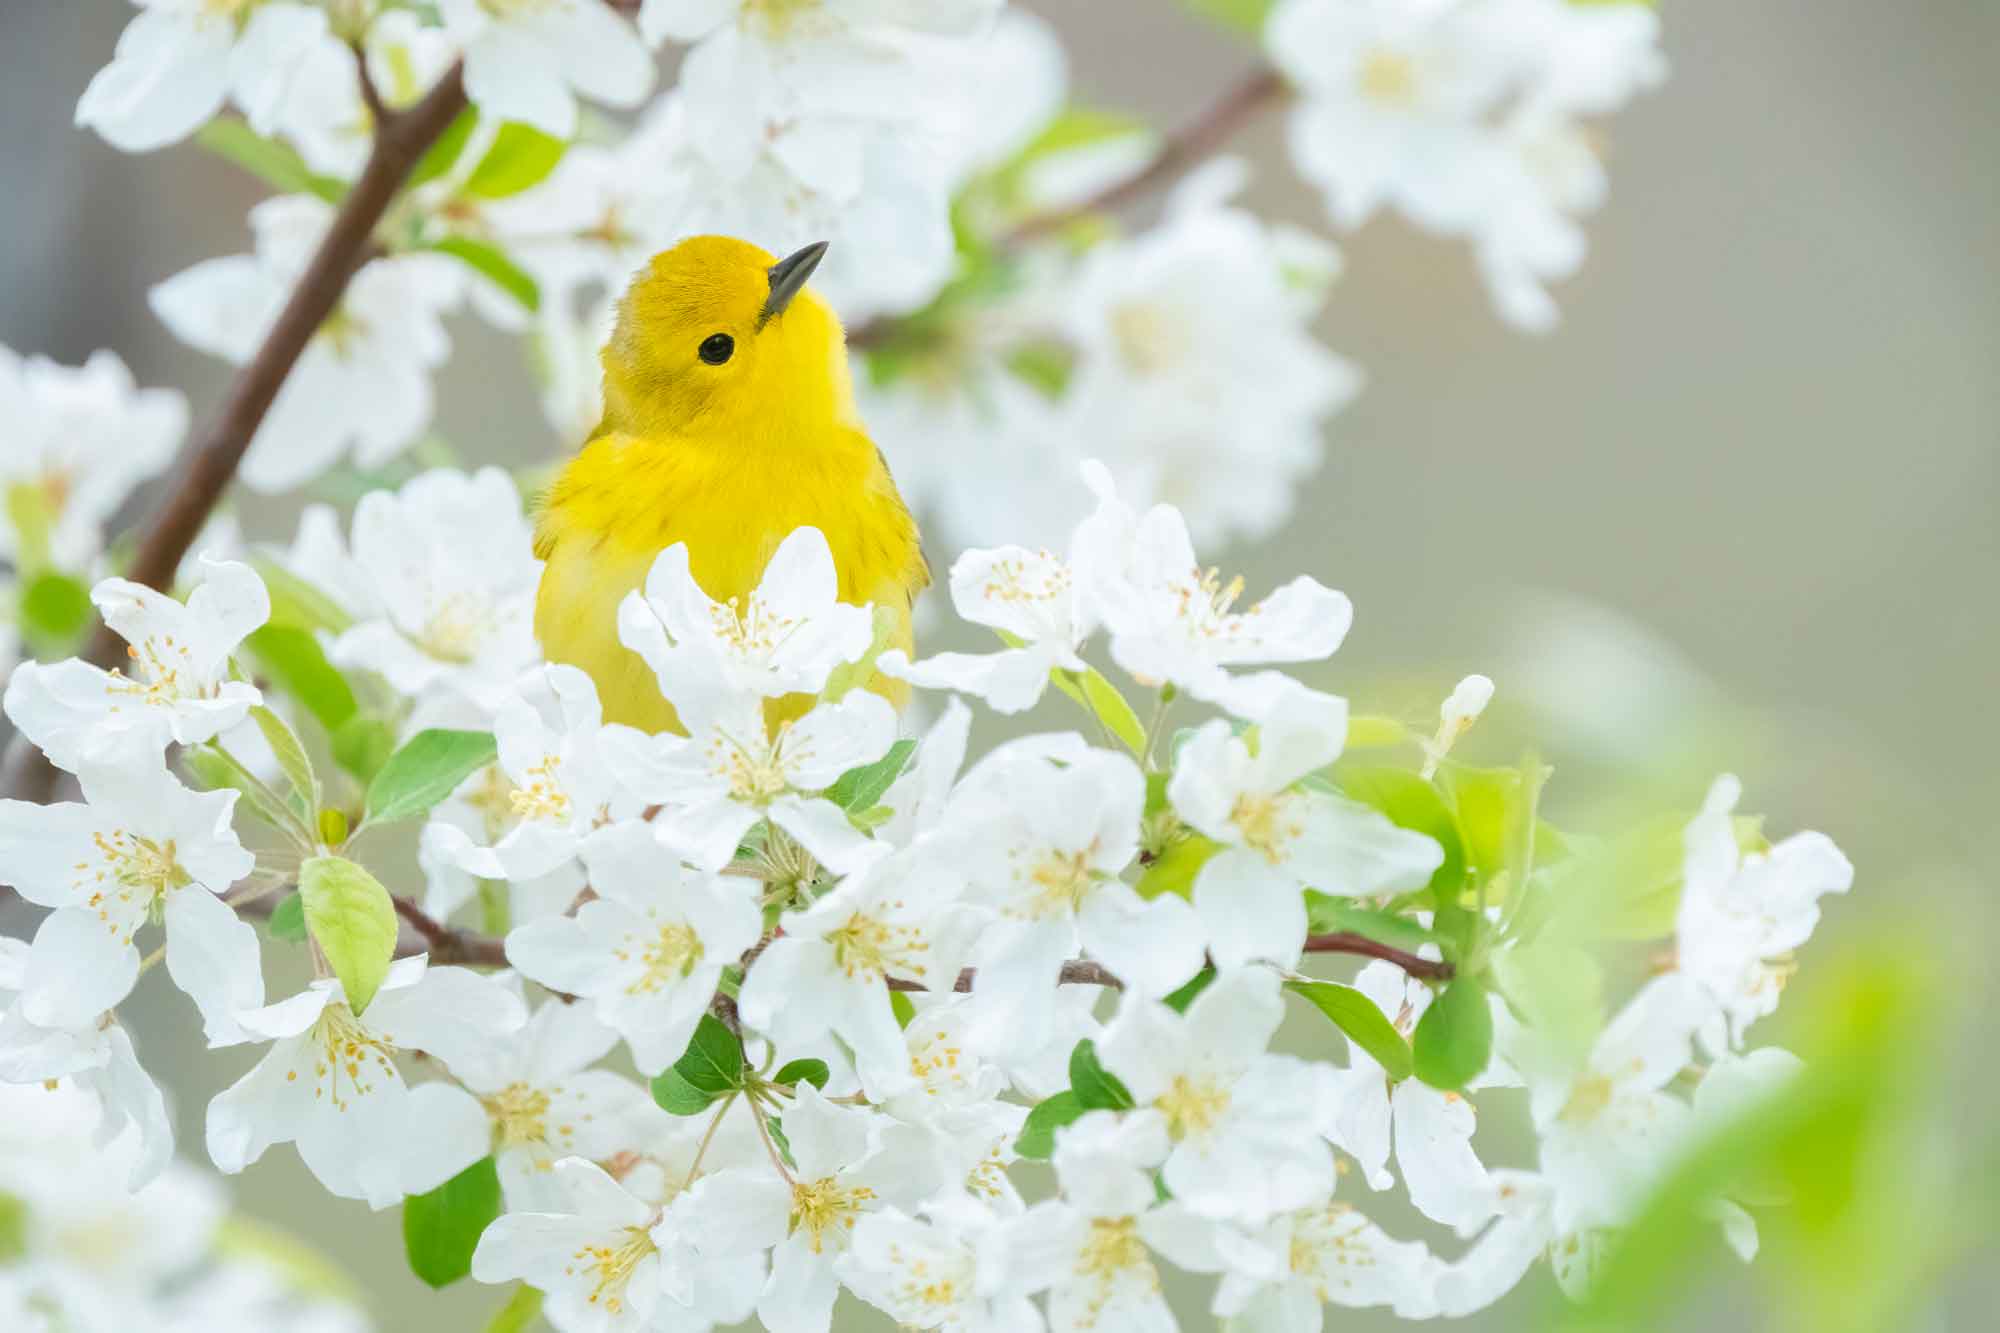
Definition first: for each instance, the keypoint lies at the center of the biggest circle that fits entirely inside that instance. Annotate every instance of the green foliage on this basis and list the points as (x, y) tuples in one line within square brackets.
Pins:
[(441, 1228), (1044, 365), (492, 263), (13, 1227), (441, 156), (794, 1072), (521, 157), (1241, 16), (31, 515), (711, 1067), (1108, 706), (1356, 1015), (1038, 1131), (1454, 1038), (903, 1008), (352, 920), (361, 745), (426, 769), (1329, 915), (55, 610), (1556, 988), (522, 1309), (217, 770), (1174, 869), (1374, 733), (291, 754), (860, 789), (288, 920), (1096, 1088), (292, 658), (297, 604), (1410, 802), (1179, 1000), (853, 675), (274, 163)]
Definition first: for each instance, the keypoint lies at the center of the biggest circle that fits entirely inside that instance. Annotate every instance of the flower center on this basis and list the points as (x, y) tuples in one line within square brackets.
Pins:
[(157, 664), (1328, 1247), (1587, 1099), (670, 956), (1150, 340), (351, 1057), (1111, 1250), (1265, 823), (542, 797), (1060, 881), (777, 15), (137, 867), (493, 801), (1192, 1106), (454, 630), (1008, 581), (519, 1113), (867, 946), (753, 771), (753, 632), (1388, 78), (825, 1205), (612, 1265)]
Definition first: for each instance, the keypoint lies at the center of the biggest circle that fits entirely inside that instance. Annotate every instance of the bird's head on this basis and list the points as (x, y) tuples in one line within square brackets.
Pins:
[(717, 337)]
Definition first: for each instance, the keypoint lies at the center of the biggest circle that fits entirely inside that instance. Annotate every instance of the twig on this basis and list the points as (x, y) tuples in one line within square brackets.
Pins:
[(1185, 146), (448, 944), (1262, 87), (1076, 972), (401, 138), (1346, 941), (371, 96)]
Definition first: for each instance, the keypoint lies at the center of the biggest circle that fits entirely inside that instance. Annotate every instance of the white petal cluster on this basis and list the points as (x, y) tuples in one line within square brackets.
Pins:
[(1468, 119), (865, 978)]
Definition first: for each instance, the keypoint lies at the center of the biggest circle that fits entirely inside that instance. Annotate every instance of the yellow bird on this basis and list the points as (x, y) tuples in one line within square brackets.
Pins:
[(729, 421)]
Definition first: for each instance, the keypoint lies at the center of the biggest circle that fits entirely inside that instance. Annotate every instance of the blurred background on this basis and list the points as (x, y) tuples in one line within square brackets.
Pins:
[(1740, 512)]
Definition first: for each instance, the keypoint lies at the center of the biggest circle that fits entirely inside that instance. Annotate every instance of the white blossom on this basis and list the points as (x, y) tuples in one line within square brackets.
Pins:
[(142, 847), (179, 688), (1280, 838), (530, 62), (1027, 596), (363, 382), (329, 1082), (1742, 916), (648, 950), (450, 575), (593, 1254), (79, 439), (1239, 1119)]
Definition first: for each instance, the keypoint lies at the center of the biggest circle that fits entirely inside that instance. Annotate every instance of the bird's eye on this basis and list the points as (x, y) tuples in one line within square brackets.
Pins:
[(717, 348)]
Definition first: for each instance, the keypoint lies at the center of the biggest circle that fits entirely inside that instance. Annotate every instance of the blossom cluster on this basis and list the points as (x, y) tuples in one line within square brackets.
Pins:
[(776, 1008), (937, 146)]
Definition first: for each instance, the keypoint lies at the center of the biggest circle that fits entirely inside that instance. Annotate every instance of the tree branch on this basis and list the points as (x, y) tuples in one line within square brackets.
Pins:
[(401, 138), (1346, 941)]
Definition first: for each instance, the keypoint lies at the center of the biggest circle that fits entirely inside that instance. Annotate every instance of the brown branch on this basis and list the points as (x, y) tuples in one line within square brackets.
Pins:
[(1076, 972), (1184, 147), (1346, 941), (401, 138)]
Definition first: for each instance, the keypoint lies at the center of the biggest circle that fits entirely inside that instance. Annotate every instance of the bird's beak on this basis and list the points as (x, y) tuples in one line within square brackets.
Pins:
[(788, 275)]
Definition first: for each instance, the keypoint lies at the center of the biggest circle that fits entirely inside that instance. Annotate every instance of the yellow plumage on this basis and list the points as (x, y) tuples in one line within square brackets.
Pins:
[(727, 456)]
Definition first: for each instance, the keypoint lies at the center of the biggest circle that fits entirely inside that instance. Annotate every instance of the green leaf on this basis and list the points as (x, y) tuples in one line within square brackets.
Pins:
[(1485, 799), (1243, 16), (903, 1008), (1365, 1025), (426, 769), (294, 661), (441, 1228), (1556, 988), (848, 676), (352, 920), (1096, 1088), (677, 1096), (491, 262), (274, 163), (520, 157), (291, 753), (441, 156), (1329, 915), (1038, 1131), (1174, 870), (814, 1072), (14, 1233), (1370, 733), (32, 515), (776, 1125), (55, 610), (1454, 1038), (1111, 709), (297, 604), (862, 788), (1624, 888), (217, 770), (1179, 1000), (1044, 365), (361, 745), (521, 1310), (288, 919), (713, 1061)]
